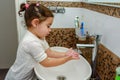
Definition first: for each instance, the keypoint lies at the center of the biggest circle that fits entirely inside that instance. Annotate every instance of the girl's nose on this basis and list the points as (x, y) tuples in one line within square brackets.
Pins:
[(49, 29)]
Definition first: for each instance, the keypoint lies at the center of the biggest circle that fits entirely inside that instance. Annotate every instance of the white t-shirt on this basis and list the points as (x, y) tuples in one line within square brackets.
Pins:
[(31, 50)]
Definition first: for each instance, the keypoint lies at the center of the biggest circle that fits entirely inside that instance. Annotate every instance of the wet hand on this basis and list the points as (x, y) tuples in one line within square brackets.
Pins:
[(73, 54)]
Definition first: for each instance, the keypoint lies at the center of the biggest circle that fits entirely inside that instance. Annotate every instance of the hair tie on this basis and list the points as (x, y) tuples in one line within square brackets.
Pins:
[(26, 5), (38, 4)]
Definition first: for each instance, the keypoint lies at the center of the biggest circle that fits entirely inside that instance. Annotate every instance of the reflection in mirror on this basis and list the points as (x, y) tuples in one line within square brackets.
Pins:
[(114, 3)]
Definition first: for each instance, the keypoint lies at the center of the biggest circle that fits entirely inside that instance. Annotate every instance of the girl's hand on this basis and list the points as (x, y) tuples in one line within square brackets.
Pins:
[(73, 54)]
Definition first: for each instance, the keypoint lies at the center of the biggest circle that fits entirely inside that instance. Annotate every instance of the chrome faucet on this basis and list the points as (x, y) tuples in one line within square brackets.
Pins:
[(94, 45), (94, 52)]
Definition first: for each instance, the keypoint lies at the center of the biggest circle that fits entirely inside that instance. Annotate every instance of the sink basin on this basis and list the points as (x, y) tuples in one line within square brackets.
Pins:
[(71, 70)]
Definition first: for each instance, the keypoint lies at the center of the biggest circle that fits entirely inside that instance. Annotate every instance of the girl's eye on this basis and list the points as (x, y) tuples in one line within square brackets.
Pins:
[(48, 26)]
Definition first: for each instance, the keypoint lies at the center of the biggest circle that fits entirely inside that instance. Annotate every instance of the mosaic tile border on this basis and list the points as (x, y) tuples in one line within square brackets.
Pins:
[(109, 10), (60, 3), (111, 3)]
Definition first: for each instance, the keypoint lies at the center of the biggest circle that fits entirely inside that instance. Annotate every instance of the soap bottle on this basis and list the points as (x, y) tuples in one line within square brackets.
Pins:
[(77, 26), (82, 29), (117, 77), (82, 33)]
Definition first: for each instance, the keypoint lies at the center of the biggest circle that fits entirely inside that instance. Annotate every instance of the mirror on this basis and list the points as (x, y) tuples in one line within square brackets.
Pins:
[(113, 3)]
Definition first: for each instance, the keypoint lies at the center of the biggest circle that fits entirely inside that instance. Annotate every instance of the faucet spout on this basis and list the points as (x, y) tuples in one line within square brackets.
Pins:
[(85, 45)]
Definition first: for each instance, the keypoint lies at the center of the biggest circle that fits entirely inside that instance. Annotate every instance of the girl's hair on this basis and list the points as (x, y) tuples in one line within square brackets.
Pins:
[(33, 11)]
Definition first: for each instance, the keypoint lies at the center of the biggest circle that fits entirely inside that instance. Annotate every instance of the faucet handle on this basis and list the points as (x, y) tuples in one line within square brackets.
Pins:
[(98, 37)]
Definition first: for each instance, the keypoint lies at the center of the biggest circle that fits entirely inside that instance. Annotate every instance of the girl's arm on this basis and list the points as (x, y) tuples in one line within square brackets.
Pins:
[(57, 58), (50, 62), (55, 54)]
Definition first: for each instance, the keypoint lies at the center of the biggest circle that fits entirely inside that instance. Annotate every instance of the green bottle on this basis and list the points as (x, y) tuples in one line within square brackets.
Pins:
[(117, 77)]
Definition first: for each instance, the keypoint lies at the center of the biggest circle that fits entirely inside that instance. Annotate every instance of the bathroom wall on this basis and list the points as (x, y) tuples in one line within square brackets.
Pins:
[(8, 33)]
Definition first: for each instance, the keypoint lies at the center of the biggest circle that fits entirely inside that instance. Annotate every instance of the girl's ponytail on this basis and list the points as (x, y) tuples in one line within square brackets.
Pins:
[(22, 8)]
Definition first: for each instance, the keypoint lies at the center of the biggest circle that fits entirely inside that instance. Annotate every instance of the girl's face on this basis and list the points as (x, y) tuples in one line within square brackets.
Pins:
[(43, 28)]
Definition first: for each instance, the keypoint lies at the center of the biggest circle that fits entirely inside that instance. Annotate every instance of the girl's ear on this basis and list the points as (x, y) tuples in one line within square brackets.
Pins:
[(35, 22)]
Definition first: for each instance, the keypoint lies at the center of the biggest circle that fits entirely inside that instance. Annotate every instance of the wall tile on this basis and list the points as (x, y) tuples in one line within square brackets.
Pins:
[(107, 63), (64, 37)]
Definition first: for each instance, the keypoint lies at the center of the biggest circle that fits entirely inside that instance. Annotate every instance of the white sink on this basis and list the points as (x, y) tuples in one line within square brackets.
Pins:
[(72, 70)]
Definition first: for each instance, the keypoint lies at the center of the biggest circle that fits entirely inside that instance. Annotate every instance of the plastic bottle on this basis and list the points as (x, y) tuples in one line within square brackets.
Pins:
[(77, 26), (117, 77), (82, 29)]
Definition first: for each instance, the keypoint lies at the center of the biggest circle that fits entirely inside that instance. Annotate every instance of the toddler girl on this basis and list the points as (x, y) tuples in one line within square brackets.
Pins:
[(33, 48)]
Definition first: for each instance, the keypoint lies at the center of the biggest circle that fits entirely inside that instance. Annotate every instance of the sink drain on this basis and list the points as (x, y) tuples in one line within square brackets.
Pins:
[(61, 77)]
